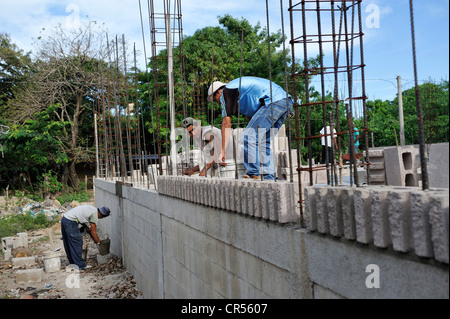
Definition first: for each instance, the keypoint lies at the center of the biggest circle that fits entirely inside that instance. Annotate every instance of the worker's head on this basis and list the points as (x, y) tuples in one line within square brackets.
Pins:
[(103, 212), (192, 126), (215, 90)]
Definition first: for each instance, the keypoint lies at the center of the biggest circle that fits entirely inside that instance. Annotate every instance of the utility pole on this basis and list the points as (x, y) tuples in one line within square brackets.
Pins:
[(400, 111), (97, 171)]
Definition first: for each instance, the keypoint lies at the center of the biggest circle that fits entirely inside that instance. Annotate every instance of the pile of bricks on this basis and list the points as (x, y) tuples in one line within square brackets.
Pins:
[(9, 243)]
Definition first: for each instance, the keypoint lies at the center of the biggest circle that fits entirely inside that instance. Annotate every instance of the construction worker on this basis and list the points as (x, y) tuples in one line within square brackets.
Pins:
[(73, 223), (327, 143), (204, 135), (257, 100)]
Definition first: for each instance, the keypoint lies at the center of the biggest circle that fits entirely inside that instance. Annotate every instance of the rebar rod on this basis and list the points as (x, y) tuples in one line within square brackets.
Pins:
[(423, 153)]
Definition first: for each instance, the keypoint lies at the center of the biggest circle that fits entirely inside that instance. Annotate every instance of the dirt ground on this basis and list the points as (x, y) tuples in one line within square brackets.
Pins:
[(105, 280)]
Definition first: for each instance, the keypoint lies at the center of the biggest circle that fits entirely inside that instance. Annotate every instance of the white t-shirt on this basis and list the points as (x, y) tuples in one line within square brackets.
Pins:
[(206, 134), (83, 214), (327, 130)]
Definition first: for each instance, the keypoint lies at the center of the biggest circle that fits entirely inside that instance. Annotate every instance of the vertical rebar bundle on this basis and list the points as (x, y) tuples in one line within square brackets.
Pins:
[(166, 34), (118, 119), (325, 28)]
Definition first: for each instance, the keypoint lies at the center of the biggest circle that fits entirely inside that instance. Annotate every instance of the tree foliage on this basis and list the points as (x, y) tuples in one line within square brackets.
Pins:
[(14, 65), (48, 103)]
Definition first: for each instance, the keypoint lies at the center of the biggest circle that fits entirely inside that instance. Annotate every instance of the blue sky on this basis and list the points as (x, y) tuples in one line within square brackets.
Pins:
[(387, 46)]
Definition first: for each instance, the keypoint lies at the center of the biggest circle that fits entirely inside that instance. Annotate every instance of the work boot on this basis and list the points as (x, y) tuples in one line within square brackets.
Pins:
[(252, 177)]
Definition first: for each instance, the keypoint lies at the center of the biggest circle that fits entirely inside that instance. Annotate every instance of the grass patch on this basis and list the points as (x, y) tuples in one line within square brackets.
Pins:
[(16, 223)]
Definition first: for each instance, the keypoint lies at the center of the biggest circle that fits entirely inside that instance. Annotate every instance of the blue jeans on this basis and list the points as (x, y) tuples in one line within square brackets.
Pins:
[(257, 145), (73, 242)]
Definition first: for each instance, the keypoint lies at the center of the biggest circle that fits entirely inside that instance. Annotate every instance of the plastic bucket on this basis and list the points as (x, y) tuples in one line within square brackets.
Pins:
[(52, 261), (104, 247), (229, 171)]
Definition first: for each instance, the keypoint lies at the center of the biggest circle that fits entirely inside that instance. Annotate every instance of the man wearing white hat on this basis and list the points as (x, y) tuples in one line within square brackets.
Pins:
[(265, 105)]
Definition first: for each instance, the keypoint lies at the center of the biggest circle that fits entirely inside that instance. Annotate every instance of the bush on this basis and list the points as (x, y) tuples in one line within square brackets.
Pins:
[(71, 196)]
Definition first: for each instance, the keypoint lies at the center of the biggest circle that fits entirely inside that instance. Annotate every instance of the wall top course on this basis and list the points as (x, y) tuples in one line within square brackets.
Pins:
[(408, 218)]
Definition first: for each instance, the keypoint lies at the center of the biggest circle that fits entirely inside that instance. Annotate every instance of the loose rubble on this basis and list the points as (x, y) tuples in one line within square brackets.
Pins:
[(106, 280)]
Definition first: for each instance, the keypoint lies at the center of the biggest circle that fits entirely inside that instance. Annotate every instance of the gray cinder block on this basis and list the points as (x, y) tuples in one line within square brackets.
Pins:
[(23, 261), (363, 218), (400, 219), (322, 210), (421, 227), (310, 212), (439, 227), (380, 218), (348, 213), (334, 208), (29, 275)]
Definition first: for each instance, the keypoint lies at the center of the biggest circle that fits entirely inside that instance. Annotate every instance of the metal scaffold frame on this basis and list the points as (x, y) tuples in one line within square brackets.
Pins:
[(308, 19)]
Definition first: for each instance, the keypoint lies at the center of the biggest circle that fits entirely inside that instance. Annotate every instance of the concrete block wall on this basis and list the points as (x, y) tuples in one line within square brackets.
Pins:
[(180, 249), (405, 219)]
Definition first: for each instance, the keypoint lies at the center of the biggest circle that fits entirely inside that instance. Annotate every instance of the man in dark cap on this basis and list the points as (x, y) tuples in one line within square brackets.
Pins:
[(72, 224)]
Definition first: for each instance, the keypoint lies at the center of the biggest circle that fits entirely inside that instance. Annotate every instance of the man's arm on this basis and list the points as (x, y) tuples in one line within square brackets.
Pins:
[(194, 169), (226, 126), (93, 232)]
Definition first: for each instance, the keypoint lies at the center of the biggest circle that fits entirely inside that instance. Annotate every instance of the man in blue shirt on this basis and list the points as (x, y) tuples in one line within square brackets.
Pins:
[(265, 105)]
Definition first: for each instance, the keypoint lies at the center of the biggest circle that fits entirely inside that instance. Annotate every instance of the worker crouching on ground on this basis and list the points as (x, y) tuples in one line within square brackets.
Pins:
[(266, 106), (72, 225), (209, 140)]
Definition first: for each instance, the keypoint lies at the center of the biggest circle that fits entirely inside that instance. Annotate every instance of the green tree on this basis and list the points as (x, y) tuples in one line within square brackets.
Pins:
[(214, 53), (67, 75), (33, 148), (14, 65)]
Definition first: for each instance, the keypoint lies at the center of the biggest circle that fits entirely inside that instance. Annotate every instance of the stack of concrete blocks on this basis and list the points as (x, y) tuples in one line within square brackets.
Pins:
[(406, 219), (9, 243), (262, 199), (283, 165), (376, 168), (402, 166), (23, 275)]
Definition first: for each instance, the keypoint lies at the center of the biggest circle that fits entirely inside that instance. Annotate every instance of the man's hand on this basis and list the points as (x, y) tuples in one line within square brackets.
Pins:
[(190, 171)]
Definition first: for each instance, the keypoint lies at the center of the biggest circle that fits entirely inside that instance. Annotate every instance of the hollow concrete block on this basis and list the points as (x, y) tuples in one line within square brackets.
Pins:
[(264, 205), (400, 220), (271, 198), (257, 199), (310, 213), (286, 205), (420, 206), (250, 198), (322, 210), (380, 218), (334, 207), (363, 218), (29, 275), (439, 220), (348, 213), (23, 262)]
